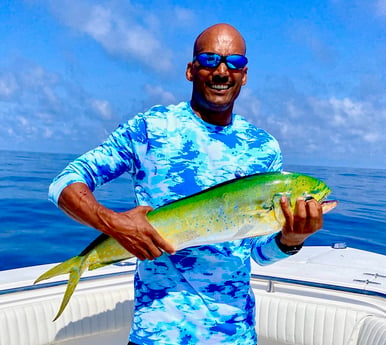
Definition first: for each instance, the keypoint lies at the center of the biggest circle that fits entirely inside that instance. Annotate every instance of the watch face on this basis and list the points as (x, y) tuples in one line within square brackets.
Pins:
[(292, 251)]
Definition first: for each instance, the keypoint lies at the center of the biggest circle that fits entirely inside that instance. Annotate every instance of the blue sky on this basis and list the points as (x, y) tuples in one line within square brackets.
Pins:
[(71, 71)]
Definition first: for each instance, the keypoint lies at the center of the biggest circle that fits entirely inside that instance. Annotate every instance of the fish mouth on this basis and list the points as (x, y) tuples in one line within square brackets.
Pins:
[(328, 205)]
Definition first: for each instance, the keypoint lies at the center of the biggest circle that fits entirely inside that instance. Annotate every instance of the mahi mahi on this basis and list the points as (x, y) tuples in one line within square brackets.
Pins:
[(233, 210)]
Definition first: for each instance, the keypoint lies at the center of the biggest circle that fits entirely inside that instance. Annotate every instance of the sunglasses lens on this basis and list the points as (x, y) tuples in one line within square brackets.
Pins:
[(212, 60), (236, 61), (209, 60)]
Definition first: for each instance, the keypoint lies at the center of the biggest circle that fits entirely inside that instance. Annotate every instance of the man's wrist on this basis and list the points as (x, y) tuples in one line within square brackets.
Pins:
[(289, 250)]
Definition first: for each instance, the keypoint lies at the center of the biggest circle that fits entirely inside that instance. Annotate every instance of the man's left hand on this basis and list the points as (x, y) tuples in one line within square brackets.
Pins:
[(305, 221)]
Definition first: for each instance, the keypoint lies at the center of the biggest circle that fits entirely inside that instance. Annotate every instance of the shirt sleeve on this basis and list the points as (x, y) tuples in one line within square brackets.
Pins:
[(118, 154), (277, 161), (265, 250)]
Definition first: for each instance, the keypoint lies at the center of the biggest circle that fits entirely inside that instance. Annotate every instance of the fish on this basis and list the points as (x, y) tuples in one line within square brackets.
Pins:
[(236, 209)]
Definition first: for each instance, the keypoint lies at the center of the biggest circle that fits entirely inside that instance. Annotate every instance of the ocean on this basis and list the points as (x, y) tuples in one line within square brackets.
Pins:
[(33, 231)]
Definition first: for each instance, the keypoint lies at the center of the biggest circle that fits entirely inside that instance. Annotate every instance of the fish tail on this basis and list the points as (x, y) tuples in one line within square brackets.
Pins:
[(75, 267), (62, 268)]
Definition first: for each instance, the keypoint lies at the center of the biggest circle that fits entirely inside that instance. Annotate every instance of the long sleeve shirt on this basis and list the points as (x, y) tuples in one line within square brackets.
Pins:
[(202, 294)]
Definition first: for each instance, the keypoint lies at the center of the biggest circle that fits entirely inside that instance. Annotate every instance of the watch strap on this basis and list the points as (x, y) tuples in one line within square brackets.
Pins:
[(289, 250)]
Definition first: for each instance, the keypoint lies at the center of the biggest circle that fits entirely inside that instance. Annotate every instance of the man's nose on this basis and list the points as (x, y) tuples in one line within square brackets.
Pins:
[(222, 68)]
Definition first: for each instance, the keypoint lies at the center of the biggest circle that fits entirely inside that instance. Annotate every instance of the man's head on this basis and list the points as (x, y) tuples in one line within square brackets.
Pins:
[(217, 80)]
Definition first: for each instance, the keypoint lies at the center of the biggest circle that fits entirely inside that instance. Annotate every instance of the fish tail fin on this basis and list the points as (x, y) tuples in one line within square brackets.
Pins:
[(62, 268), (75, 267), (73, 280)]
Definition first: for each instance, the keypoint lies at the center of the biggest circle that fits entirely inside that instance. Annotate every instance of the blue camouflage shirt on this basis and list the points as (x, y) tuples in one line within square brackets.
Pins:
[(202, 294)]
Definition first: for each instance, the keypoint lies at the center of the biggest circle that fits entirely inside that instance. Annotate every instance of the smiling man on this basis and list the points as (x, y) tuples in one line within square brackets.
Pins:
[(202, 294)]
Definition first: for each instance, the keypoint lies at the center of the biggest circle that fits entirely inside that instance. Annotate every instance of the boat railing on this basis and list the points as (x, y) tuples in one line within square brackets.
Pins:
[(31, 287), (271, 280)]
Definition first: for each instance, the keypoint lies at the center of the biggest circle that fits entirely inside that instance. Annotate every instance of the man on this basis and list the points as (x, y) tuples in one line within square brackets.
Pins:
[(198, 295)]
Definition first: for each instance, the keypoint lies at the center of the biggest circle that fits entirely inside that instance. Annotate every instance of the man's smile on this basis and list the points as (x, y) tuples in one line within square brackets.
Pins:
[(218, 87)]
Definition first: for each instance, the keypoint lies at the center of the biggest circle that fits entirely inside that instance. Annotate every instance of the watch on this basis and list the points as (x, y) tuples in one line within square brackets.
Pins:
[(289, 250)]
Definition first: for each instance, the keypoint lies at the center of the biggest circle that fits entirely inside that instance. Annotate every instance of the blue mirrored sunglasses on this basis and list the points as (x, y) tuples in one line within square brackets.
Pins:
[(212, 60)]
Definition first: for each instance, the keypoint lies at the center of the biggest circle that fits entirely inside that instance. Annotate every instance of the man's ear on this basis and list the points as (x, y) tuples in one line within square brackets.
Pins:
[(189, 71), (245, 76)]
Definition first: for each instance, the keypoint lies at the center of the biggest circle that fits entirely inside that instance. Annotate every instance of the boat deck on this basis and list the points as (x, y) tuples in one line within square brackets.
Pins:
[(321, 296)]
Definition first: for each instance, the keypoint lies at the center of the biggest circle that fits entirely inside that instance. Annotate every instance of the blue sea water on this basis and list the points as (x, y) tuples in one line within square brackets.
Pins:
[(33, 231)]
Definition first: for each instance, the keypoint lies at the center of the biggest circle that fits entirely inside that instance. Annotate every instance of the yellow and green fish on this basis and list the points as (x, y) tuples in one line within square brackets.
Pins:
[(233, 210)]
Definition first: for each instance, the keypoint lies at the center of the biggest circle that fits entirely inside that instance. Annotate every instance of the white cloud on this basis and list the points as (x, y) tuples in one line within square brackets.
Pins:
[(23, 121), (314, 130), (123, 29), (359, 118), (98, 23), (8, 86), (47, 113), (309, 36), (184, 15), (157, 95), (47, 133), (380, 7), (371, 137), (248, 104), (103, 108)]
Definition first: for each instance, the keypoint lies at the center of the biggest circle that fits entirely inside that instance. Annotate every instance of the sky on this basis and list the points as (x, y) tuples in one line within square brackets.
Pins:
[(72, 71)]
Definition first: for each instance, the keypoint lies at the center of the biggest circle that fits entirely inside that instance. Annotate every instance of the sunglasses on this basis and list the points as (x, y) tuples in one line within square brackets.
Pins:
[(213, 60)]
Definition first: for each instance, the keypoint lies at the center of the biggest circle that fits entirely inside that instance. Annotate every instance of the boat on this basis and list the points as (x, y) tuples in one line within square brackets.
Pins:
[(321, 296)]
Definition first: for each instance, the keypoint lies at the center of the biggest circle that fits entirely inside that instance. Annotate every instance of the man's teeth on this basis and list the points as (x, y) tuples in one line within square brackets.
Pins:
[(219, 86)]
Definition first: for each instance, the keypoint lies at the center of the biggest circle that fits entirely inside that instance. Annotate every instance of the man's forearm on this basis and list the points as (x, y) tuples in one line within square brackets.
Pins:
[(131, 228), (79, 203)]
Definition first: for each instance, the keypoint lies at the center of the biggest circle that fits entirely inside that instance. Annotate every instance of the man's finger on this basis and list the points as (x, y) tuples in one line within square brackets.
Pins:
[(300, 208), (164, 245), (314, 209)]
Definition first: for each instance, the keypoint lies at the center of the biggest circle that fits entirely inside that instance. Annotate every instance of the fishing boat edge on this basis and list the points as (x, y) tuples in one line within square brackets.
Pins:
[(322, 295)]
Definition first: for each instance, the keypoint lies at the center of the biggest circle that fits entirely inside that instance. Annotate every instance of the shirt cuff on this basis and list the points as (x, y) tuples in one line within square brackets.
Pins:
[(61, 182), (265, 250)]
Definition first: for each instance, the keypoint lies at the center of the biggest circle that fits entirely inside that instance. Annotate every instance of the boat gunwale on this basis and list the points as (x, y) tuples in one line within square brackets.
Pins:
[(321, 285), (56, 283), (254, 276)]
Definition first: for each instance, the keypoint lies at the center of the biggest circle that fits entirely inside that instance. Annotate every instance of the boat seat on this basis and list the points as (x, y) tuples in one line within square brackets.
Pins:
[(284, 319), (373, 331), (96, 315), (99, 314)]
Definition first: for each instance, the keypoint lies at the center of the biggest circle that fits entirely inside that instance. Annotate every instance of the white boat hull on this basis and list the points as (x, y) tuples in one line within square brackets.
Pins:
[(317, 297)]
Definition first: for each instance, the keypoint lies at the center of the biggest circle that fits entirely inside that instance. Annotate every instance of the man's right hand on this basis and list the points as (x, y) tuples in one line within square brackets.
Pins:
[(133, 231), (131, 228)]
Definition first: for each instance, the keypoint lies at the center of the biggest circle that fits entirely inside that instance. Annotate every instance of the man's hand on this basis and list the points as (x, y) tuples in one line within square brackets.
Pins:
[(306, 220), (131, 228), (133, 231)]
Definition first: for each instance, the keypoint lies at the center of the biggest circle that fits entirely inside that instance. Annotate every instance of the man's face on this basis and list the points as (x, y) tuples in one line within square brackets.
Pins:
[(216, 89)]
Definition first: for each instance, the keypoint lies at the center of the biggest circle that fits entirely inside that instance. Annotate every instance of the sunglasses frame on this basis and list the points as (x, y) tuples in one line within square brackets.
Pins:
[(220, 59)]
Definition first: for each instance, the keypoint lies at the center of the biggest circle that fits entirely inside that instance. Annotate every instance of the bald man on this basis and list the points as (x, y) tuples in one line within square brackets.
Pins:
[(202, 294)]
